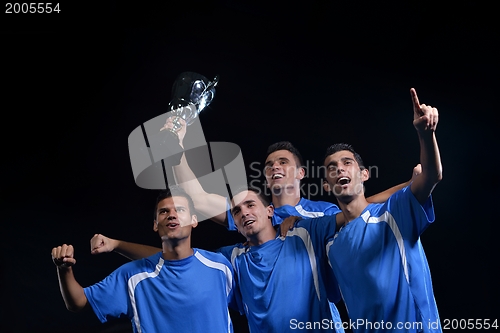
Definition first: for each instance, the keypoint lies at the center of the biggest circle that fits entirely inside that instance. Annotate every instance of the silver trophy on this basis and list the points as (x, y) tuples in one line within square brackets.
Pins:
[(191, 94)]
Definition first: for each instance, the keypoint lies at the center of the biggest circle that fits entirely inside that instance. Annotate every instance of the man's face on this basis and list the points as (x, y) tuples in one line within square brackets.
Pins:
[(250, 215), (344, 177), (173, 218), (281, 170)]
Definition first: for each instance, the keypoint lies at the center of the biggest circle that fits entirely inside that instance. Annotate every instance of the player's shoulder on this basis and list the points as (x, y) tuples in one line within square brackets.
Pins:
[(403, 195), (319, 206), (395, 200), (214, 256), (308, 223), (313, 203)]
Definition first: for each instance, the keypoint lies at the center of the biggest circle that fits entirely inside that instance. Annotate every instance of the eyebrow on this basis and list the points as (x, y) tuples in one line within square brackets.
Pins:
[(238, 207), (334, 163), (278, 159), (167, 208)]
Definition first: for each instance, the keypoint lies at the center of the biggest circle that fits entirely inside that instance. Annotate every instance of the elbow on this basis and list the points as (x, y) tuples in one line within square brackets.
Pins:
[(73, 308), (76, 306), (439, 175)]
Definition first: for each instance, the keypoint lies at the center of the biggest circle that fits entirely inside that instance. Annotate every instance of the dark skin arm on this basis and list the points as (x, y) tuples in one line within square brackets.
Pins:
[(425, 119), (71, 290), (101, 244)]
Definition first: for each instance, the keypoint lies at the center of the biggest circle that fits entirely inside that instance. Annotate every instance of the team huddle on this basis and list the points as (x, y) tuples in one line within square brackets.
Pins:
[(300, 258)]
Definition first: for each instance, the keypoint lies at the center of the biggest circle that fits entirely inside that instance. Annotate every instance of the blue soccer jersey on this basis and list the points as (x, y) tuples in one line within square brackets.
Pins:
[(187, 295), (282, 282), (306, 209), (382, 269)]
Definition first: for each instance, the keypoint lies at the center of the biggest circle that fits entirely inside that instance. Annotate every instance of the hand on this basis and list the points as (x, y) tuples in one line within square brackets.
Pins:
[(181, 133), (425, 117), (417, 170), (100, 244), (288, 224), (62, 256)]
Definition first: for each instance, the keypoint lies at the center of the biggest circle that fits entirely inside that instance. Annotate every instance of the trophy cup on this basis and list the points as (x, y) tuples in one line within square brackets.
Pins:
[(191, 94)]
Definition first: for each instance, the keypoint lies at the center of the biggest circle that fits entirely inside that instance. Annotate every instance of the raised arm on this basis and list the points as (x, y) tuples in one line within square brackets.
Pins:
[(71, 290), (207, 204), (425, 120), (100, 244), (384, 195)]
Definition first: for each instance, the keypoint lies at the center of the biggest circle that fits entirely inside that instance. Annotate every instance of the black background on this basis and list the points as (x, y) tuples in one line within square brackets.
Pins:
[(76, 83)]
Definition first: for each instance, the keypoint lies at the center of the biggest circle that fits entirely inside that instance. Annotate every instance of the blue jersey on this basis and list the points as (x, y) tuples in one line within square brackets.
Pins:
[(306, 209), (282, 281), (381, 267), (187, 295)]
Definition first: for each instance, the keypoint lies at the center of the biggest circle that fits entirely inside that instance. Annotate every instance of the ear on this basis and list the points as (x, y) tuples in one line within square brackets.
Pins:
[(365, 175), (155, 225), (270, 211), (326, 186), (194, 221), (301, 173)]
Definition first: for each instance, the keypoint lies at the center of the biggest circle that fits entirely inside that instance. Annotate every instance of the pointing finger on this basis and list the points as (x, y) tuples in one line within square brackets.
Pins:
[(414, 98)]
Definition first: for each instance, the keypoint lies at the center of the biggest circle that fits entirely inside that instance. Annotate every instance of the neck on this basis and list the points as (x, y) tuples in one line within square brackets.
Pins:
[(352, 206), (264, 236), (287, 196), (176, 249)]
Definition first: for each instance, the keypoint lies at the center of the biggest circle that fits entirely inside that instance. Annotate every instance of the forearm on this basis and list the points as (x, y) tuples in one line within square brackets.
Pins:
[(211, 205), (186, 178), (134, 251), (384, 195), (431, 167), (71, 290)]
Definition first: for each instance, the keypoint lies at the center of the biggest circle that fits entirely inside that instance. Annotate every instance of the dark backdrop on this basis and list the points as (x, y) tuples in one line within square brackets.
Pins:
[(76, 83)]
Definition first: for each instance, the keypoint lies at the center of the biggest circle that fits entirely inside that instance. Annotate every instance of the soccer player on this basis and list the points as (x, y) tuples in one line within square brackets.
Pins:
[(377, 256), (282, 279), (170, 290)]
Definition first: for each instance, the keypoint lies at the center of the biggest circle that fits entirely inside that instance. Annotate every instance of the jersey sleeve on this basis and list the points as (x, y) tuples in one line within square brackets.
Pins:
[(113, 287), (332, 210), (226, 251), (234, 299), (411, 217)]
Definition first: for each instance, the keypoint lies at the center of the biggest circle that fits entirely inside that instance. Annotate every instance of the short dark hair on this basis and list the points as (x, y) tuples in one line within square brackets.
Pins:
[(286, 145), (259, 192), (174, 191), (344, 146)]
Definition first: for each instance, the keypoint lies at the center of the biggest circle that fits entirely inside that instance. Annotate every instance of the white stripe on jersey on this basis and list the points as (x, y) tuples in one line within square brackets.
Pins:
[(391, 222), (236, 252), (217, 265), (132, 283), (389, 219), (305, 213), (306, 238)]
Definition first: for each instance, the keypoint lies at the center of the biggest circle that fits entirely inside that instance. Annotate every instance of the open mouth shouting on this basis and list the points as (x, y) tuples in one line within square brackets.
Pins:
[(248, 222), (342, 181), (277, 176)]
